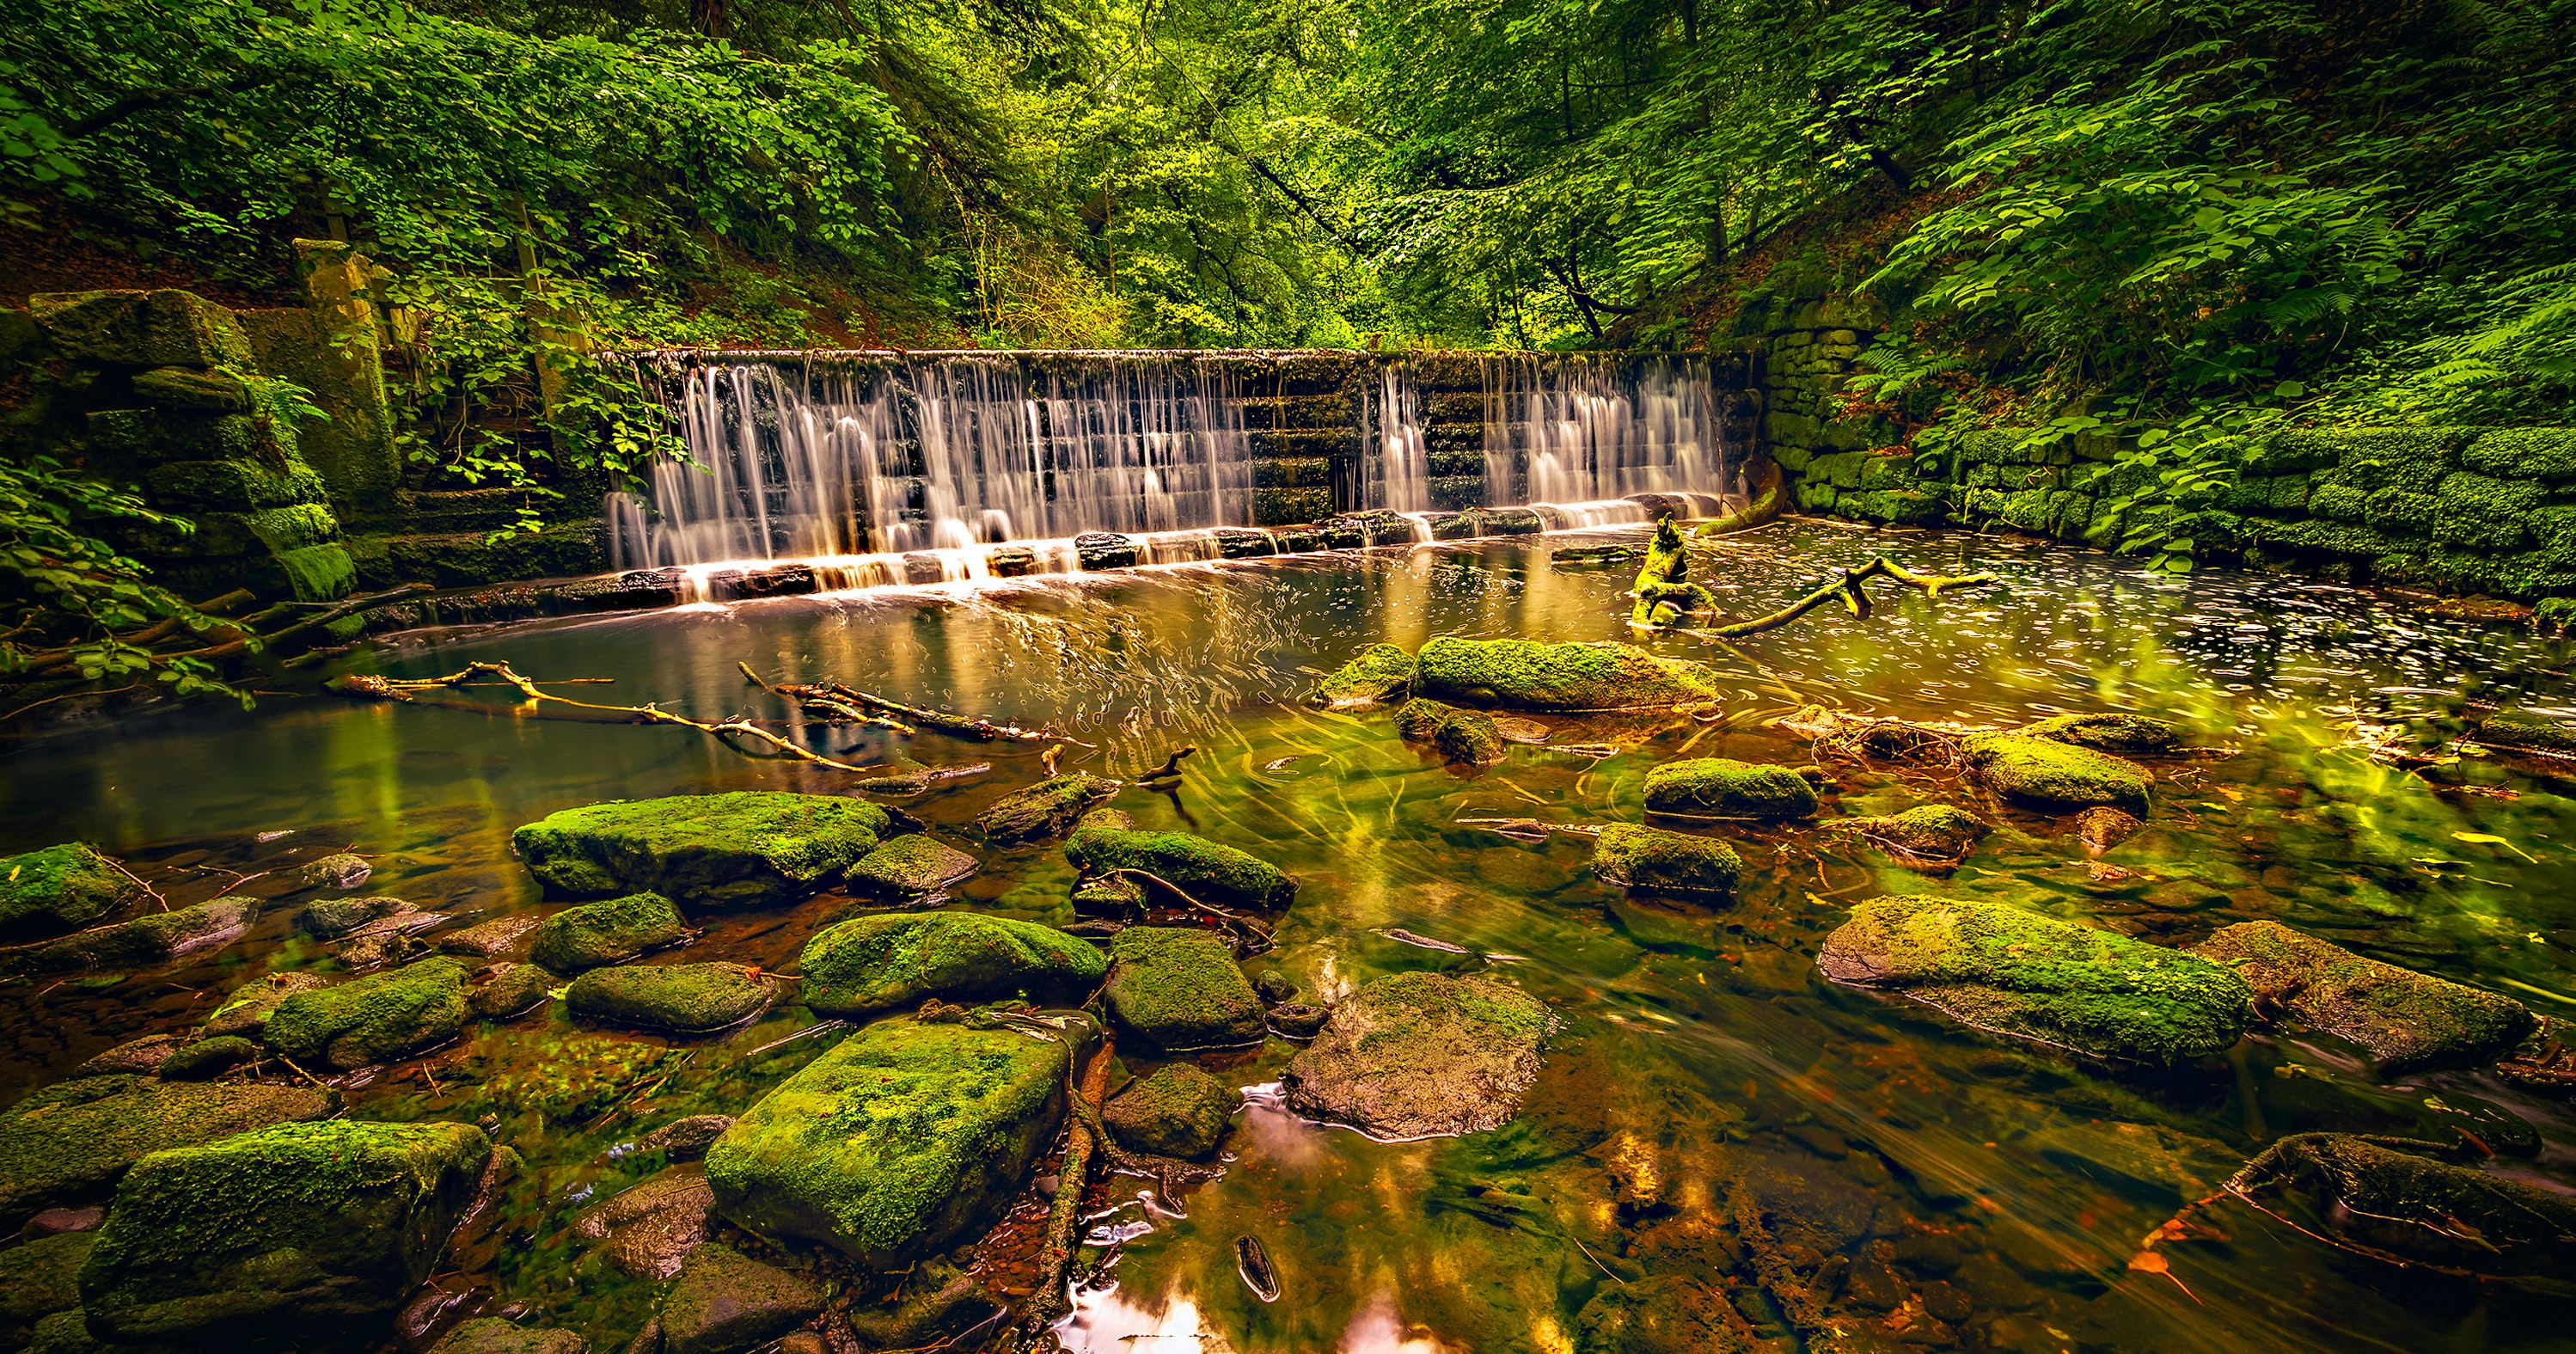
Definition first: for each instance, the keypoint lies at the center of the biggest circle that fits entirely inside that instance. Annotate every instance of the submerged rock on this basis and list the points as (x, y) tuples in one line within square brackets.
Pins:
[(903, 1140), (1654, 860), (247, 1010), (2109, 731), (1381, 673), (39, 1278), (2403, 1019), (1928, 833), (342, 870), (911, 865), (2055, 775), (683, 998), (152, 938), (612, 931), (685, 1139), (1043, 810), (1181, 988), (1462, 737), (70, 1142), (208, 1058), (647, 1231), (304, 1227), (60, 888), (2393, 1197), (491, 939), (745, 848), (1420, 1055), (504, 990), (2102, 827), (1177, 1111), (374, 1019), (500, 1335), (893, 960), (2018, 973), (726, 1302), (2157, 1163), (1297, 1020), (1526, 675), (1662, 1314), (1206, 870), (1720, 787), (336, 917), (2528, 729)]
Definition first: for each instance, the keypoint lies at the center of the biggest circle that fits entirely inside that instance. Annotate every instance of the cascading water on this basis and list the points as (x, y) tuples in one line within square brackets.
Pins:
[(1579, 429), (1397, 472)]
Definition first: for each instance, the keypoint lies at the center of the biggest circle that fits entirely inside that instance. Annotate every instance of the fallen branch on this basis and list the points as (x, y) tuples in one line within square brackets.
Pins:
[(958, 726), (1257, 930), (1846, 584), (1085, 1134), (838, 712), (1171, 767)]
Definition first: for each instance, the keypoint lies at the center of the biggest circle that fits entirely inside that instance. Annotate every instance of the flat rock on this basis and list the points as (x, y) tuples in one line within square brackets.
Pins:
[(1419, 1055), (1381, 673), (746, 848), (2055, 775), (327, 1226), (1208, 871), (498, 938), (2109, 731), (904, 1139), (60, 888), (683, 998), (2406, 1021), (1721, 787), (135, 1057), (153, 938), (893, 960), (506, 989), (1517, 674), (335, 917), (725, 1302), (370, 1020), (647, 1231), (69, 1142), (1180, 988), (910, 865), (2013, 972), (500, 1335), (1653, 860), (611, 931), (1176, 1111)]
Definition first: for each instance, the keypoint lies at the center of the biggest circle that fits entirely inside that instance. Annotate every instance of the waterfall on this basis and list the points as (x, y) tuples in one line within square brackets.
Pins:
[(1581, 429), (1396, 471)]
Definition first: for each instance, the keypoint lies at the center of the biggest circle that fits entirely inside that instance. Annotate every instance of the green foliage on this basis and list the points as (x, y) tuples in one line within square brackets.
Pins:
[(74, 600)]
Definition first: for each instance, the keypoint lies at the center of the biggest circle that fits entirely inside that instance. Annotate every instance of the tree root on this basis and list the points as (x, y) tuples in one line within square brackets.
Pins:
[(1846, 584)]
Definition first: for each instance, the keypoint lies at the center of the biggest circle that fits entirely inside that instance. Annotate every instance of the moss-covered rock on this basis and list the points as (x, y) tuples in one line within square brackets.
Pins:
[(745, 848), (901, 1141), (1654, 860), (1462, 737), (1720, 787), (58, 889), (2526, 729), (335, 917), (681, 997), (2404, 1020), (2102, 827), (506, 989), (2398, 1197), (1177, 1111), (893, 960), (1206, 870), (2005, 970), (207, 1058), (1928, 833), (2109, 731), (38, 1278), (1381, 673), (375, 1019), (725, 1302), (71, 1141), (2055, 775), (500, 1335), (153, 938), (1516, 674), (911, 865), (611, 931), (1420, 1055), (1179, 988), (494, 939), (314, 1228), (645, 1232), (339, 870), (1043, 810)]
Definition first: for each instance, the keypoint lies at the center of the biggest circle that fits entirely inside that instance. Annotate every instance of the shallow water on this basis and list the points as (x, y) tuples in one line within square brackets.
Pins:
[(1704, 1069)]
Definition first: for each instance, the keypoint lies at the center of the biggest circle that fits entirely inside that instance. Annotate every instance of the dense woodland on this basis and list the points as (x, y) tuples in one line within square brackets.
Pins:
[(2180, 221)]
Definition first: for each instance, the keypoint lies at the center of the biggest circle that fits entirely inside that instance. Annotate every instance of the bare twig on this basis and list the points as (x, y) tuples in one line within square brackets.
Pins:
[(1259, 932), (1846, 584)]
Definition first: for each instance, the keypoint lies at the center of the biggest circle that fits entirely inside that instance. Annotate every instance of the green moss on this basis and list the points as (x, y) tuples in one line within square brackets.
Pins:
[(58, 889), (741, 849), (251, 1004), (2055, 775), (901, 1141), (148, 939), (2524, 453), (684, 997), (374, 1019), (724, 1302), (500, 1335), (40, 1276), (71, 1141), (207, 1057), (2476, 512), (1464, 736), (2404, 1020), (318, 573), (1526, 675), (325, 1224), (1718, 787), (912, 865), (894, 960), (1382, 672), (2019, 973), (511, 989), (2109, 731), (1043, 810), (1177, 1111), (1206, 870), (334, 917), (611, 931), (1422, 1054), (1181, 989), (1928, 833), (1652, 859), (2523, 729)]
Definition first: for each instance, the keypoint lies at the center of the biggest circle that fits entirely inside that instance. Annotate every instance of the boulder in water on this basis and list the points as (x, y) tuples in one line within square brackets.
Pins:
[(340, 870), (2055, 775), (2102, 827), (505, 989), (1176, 1111), (1419, 1055), (611, 931), (1180, 988), (1653, 860), (725, 1302), (500, 1335), (153, 938), (901, 1141), (70, 1142), (1206, 870), (682, 998), (208, 1058), (335, 917), (39, 1278), (311, 1228), (647, 1231), (911, 865), (1516, 674), (745, 848), (2405, 1021), (375, 1019), (1929, 833), (2109, 731), (247, 1010), (1721, 787), (60, 888), (1381, 673), (1043, 810), (893, 960), (1462, 737), (2002, 969)]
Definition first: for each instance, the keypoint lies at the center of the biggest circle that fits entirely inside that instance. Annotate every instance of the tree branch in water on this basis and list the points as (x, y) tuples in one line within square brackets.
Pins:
[(1846, 584)]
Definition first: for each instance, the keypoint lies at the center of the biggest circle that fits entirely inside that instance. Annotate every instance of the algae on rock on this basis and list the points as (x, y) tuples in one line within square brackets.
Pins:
[(1518, 674), (2405, 1021), (2109, 731), (1206, 870), (60, 888), (1180, 988), (611, 931), (374, 1019), (2055, 775), (683, 998), (1176, 1111), (1382, 672), (895, 959), (743, 848), (1418, 1055), (1721, 787), (1462, 737), (911, 865), (1653, 860)]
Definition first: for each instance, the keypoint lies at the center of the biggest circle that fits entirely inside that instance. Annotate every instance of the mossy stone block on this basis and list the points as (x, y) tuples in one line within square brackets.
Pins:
[(39, 1277), (745, 848), (1651, 859), (230, 486), (155, 435), (894, 960), (70, 1141), (611, 931), (685, 998), (140, 329), (57, 889), (1528, 675), (374, 1019), (2524, 453), (2480, 512), (1180, 988), (1721, 787), (2055, 775)]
